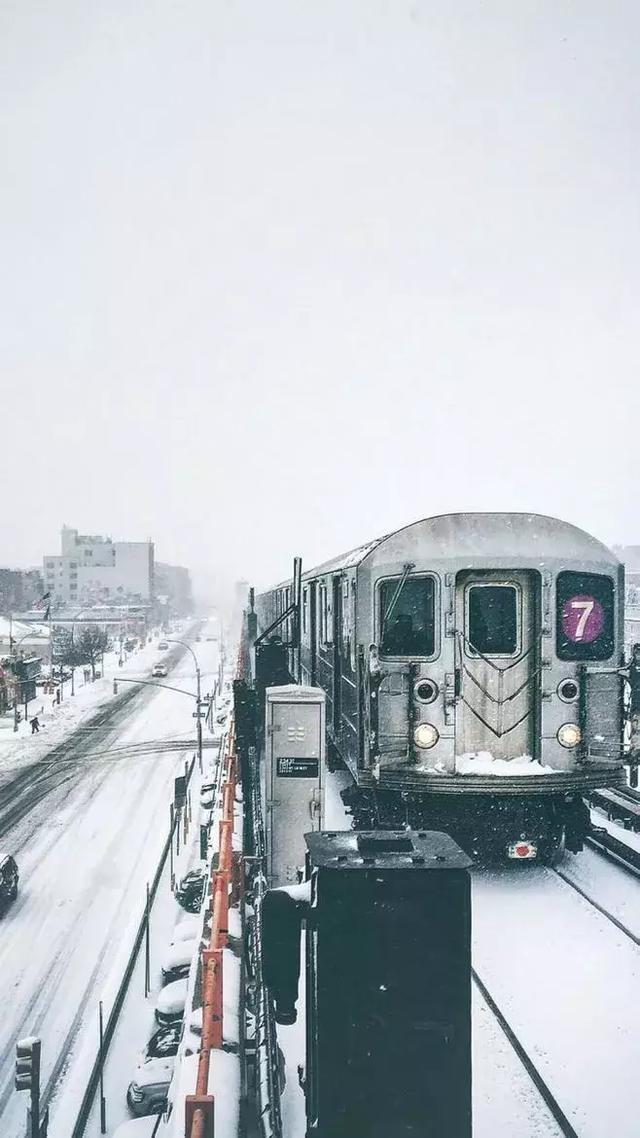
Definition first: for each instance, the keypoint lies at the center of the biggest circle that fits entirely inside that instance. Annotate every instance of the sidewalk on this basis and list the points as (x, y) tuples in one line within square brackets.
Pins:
[(19, 749)]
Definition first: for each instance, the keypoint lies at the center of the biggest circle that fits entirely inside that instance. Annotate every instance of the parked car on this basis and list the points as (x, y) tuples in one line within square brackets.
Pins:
[(187, 928), (163, 646), (8, 880), (170, 1003), (177, 960), (159, 670), (190, 890), (147, 1092), (136, 1128), (164, 1042), (207, 795)]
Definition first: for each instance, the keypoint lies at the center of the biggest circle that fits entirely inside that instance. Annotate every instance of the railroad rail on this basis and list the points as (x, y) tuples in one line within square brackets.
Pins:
[(619, 805), (537, 1079)]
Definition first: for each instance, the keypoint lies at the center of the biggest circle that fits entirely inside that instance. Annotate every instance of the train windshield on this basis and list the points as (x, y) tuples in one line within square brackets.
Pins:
[(584, 616), (408, 626), (493, 619)]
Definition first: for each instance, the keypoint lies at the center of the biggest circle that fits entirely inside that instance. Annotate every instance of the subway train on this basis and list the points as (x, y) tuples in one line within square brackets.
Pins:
[(471, 664)]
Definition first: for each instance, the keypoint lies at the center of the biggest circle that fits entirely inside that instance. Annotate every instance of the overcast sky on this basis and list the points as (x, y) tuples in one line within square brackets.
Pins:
[(281, 275)]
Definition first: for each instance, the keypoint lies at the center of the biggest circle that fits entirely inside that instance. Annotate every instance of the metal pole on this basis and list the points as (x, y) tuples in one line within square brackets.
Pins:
[(147, 955), (103, 1104), (199, 721), (35, 1090), (171, 828)]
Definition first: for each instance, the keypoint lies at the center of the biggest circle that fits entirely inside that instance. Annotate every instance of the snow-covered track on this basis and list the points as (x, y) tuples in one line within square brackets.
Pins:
[(527, 1062), (596, 905), (566, 979), (609, 846)]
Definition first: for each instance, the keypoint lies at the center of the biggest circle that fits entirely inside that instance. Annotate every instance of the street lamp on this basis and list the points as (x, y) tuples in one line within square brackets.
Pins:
[(198, 699)]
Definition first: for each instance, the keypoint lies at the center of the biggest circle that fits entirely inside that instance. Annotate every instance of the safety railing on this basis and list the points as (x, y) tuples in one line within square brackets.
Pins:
[(199, 1107)]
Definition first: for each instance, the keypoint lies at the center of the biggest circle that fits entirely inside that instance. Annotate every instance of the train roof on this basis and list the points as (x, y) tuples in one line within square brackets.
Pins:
[(464, 535)]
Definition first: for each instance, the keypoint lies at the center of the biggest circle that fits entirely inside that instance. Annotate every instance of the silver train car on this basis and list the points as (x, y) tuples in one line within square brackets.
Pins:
[(471, 669)]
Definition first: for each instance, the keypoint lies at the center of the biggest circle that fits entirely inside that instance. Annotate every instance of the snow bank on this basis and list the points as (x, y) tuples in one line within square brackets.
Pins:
[(483, 762)]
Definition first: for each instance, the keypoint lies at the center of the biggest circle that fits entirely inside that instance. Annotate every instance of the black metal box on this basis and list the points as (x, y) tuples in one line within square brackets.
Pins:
[(388, 986)]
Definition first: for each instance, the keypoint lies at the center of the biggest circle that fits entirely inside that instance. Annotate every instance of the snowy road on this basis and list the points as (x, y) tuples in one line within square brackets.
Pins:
[(87, 851)]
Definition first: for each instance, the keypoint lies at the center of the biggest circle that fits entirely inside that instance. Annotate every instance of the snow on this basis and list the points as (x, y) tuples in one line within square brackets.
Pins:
[(153, 1071), (483, 762), (608, 885), (566, 980), (21, 749)]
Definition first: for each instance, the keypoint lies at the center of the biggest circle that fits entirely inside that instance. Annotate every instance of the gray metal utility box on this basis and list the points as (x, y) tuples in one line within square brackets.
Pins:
[(293, 787)]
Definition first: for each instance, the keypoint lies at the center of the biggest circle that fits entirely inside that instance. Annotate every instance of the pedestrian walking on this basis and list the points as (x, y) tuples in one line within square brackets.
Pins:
[(35, 725)]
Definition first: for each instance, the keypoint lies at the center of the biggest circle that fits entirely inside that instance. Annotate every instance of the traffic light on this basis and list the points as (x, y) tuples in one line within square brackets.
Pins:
[(28, 1064)]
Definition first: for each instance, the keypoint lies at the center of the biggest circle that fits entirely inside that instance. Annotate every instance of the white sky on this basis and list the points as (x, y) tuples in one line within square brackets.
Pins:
[(280, 276)]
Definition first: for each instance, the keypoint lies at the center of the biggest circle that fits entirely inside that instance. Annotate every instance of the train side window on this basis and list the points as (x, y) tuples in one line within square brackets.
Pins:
[(584, 616), (409, 628), (493, 619)]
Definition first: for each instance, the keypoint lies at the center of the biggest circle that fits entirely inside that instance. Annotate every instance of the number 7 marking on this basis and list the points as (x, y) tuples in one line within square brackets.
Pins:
[(587, 608)]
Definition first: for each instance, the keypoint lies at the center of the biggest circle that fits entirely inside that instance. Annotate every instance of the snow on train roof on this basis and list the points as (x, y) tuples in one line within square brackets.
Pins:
[(478, 535)]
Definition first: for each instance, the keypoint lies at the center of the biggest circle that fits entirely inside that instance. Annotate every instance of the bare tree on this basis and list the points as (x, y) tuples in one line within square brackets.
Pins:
[(90, 645)]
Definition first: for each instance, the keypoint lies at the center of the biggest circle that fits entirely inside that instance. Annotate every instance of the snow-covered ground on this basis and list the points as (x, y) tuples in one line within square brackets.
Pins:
[(83, 877), (568, 982)]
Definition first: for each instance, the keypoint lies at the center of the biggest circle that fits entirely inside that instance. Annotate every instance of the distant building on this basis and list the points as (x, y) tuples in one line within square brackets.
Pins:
[(19, 589), (173, 588), (92, 570)]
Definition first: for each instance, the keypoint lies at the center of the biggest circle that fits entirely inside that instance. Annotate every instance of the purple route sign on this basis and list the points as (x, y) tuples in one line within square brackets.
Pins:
[(582, 619)]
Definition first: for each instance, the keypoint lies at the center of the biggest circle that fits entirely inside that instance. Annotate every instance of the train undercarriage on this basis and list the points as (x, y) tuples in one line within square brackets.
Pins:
[(489, 827)]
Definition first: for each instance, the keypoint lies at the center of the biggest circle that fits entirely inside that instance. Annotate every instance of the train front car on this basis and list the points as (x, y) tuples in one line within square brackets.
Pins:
[(471, 667)]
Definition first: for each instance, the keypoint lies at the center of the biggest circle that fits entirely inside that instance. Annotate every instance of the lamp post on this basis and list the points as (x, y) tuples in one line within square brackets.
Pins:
[(198, 694)]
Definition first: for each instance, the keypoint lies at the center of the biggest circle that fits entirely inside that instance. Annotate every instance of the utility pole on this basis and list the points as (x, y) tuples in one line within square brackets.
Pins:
[(199, 720)]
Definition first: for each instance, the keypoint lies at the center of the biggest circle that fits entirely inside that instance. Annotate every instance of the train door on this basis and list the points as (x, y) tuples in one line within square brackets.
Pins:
[(337, 656), (313, 630), (496, 663)]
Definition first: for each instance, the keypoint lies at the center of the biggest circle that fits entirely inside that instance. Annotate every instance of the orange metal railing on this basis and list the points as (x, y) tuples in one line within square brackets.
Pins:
[(199, 1107)]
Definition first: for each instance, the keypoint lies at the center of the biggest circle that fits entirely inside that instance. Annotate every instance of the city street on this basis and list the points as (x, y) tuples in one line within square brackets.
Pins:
[(86, 849)]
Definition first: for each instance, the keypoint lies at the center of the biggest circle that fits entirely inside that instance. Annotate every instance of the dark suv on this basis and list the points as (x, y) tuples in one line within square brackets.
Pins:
[(8, 881)]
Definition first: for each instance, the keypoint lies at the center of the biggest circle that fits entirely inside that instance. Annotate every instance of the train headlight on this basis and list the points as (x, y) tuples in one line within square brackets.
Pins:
[(569, 735), (425, 736)]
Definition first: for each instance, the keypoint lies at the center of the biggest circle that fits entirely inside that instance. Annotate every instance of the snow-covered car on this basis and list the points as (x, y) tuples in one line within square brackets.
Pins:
[(207, 796), (159, 670), (177, 960), (187, 928), (164, 1042), (163, 646), (171, 1001), (147, 1092), (136, 1128), (190, 890), (8, 880)]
